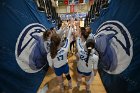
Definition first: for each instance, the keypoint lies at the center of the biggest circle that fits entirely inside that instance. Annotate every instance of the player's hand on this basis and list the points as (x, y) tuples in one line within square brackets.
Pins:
[(77, 33), (77, 24), (72, 22)]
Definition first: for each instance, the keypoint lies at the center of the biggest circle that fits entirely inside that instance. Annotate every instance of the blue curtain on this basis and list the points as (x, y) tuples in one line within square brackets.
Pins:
[(15, 15), (128, 13)]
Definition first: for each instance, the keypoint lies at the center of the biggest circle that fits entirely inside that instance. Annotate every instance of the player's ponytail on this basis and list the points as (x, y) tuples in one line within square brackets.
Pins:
[(90, 44), (55, 41), (89, 51), (46, 35)]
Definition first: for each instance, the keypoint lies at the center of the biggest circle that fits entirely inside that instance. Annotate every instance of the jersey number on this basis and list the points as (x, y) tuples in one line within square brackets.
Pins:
[(60, 57)]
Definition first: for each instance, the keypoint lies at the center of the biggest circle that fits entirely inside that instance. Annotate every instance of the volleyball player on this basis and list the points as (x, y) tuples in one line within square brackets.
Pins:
[(57, 58), (89, 33), (87, 61)]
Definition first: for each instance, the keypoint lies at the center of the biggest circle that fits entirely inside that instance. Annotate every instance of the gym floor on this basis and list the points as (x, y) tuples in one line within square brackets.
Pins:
[(53, 86)]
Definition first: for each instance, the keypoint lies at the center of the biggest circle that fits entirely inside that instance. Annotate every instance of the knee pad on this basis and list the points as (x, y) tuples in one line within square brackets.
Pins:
[(68, 77)]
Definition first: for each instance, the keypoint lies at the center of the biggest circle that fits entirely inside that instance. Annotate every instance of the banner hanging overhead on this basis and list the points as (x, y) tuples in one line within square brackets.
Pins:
[(72, 8)]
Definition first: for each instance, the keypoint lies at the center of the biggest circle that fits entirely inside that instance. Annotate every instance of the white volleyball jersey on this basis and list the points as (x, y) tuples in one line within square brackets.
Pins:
[(61, 57), (82, 54)]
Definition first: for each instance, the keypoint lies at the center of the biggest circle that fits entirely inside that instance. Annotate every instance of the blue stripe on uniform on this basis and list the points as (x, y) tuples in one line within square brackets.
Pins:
[(80, 44), (66, 43)]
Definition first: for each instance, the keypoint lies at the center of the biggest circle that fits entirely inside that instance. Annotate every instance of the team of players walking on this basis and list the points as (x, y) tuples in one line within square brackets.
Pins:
[(57, 45)]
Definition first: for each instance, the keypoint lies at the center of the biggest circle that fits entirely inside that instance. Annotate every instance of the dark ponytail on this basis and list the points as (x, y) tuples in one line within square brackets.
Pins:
[(55, 41), (90, 44), (46, 35), (89, 51)]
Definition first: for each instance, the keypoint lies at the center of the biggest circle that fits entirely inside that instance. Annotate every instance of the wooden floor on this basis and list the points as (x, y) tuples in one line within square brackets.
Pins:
[(53, 86)]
